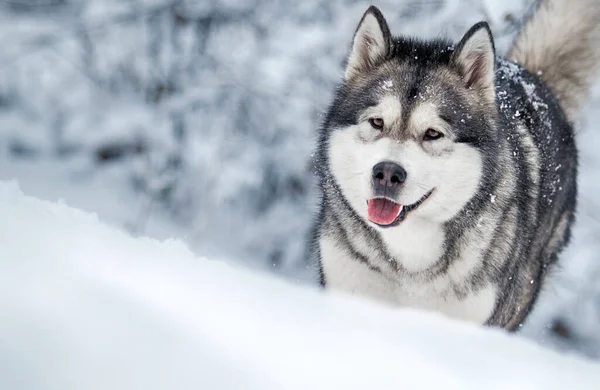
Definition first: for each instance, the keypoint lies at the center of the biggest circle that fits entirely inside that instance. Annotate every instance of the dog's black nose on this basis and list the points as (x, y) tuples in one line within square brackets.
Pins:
[(387, 176)]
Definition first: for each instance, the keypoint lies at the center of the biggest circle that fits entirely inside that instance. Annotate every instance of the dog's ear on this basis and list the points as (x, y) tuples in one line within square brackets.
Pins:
[(371, 44), (474, 58)]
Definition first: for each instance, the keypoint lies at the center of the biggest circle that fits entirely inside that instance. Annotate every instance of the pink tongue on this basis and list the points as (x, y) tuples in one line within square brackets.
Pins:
[(383, 211)]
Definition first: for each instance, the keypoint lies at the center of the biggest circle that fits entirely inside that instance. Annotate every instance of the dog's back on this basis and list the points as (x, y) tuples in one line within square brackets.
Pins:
[(559, 52)]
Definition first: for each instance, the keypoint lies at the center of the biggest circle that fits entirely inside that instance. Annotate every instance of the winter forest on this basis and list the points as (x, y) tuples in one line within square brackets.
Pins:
[(196, 121)]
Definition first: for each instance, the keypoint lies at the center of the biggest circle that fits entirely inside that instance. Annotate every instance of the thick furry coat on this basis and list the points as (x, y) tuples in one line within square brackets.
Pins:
[(447, 173)]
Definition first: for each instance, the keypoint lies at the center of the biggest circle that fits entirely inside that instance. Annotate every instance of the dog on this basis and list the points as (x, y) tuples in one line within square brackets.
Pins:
[(448, 174)]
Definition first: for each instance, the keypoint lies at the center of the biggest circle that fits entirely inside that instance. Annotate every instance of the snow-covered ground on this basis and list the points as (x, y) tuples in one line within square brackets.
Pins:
[(87, 306), (196, 120)]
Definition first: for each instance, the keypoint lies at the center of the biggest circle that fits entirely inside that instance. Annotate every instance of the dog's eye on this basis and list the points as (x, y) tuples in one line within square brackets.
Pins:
[(376, 123), (432, 134)]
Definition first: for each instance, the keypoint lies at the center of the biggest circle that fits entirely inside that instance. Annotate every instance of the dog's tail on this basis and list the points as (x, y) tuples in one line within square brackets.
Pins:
[(561, 43)]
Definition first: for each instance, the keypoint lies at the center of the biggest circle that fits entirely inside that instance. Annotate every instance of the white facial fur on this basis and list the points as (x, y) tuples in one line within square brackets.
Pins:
[(453, 170)]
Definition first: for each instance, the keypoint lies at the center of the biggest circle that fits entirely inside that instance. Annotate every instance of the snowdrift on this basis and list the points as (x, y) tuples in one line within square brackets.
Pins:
[(85, 306)]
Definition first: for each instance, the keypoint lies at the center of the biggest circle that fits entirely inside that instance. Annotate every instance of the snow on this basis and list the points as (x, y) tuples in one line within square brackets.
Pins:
[(87, 306), (211, 109)]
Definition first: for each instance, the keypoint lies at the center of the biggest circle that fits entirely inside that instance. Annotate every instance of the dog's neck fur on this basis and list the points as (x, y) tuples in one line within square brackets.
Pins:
[(367, 264)]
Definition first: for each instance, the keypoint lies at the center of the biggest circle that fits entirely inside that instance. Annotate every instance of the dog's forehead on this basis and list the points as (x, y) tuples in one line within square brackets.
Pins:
[(434, 87), (408, 83), (412, 87), (412, 100)]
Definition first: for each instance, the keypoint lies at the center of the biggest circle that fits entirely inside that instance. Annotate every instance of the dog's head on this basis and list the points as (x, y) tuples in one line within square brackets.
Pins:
[(407, 128)]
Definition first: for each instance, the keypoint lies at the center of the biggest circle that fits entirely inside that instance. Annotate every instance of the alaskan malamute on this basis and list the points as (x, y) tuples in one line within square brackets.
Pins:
[(448, 173)]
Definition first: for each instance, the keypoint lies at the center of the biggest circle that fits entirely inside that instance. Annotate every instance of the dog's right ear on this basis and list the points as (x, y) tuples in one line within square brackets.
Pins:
[(371, 44)]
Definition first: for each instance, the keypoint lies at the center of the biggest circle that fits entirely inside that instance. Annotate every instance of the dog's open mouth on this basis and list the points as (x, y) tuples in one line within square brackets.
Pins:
[(387, 213)]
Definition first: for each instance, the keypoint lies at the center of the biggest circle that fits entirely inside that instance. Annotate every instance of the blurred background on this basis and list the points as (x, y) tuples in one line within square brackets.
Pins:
[(196, 119)]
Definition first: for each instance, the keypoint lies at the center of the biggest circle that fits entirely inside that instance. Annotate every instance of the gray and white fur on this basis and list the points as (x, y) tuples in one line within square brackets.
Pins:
[(448, 174)]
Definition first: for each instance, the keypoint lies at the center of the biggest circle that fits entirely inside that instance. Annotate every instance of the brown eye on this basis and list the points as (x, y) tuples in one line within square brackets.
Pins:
[(376, 123), (432, 134)]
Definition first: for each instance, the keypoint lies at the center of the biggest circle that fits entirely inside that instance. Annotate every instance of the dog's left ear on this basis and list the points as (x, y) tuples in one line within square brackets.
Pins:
[(371, 44), (474, 57)]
